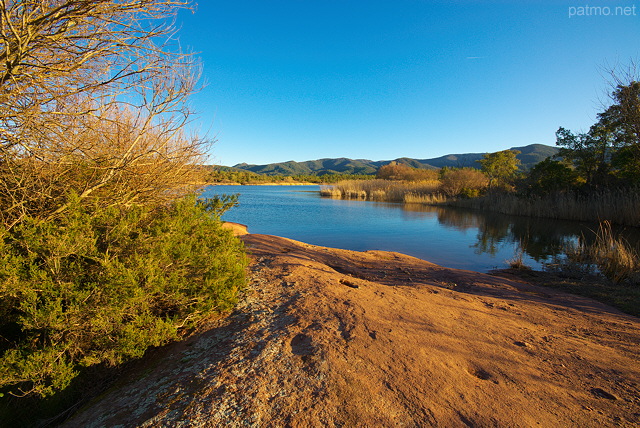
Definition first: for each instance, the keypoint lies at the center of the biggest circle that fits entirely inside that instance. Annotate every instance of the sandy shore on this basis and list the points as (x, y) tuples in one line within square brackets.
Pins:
[(328, 337)]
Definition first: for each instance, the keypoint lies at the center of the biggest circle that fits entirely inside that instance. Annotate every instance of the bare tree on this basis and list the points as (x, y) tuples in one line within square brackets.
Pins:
[(93, 102)]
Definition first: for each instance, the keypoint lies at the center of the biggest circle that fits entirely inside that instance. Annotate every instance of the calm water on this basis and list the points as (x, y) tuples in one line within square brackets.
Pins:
[(451, 237)]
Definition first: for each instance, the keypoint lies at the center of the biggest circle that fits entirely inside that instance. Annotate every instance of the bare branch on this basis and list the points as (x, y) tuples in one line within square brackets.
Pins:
[(93, 102)]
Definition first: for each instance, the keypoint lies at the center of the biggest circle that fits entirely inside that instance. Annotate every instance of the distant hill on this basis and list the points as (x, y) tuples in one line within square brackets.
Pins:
[(315, 167), (529, 156)]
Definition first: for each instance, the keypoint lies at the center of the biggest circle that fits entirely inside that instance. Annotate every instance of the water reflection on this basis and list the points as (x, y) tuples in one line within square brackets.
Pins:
[(452, 237), (539, 238)]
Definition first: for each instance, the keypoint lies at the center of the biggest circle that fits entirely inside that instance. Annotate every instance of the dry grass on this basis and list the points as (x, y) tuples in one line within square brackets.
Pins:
[(517, 262), (616, 206), (613, 255), (610, 255), (416, 186), (430, 198), (381, 190)]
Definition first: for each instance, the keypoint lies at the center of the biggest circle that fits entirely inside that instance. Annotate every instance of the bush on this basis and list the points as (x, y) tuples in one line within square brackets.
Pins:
[(90, 288), (466, 182), (401, 172)]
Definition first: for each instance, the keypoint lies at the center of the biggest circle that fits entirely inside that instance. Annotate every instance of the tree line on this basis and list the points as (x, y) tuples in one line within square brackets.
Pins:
[(226, 175), (607, 157), (595, 176)]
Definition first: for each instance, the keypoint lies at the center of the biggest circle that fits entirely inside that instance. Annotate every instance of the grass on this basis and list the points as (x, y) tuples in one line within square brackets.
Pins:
[(430, 198), (616, 205), (615, 258), (610, 256), (619, 206), (608, 270), (383, 190), (517, 262)]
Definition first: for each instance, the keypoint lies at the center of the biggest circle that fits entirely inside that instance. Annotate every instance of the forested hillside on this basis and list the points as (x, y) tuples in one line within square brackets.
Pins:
[(529, 156)]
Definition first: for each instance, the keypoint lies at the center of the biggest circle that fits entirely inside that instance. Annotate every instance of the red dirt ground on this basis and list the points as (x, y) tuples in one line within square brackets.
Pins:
[(327, 337)]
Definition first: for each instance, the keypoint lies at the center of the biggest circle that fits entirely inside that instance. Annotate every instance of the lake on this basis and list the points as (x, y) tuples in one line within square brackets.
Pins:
[(451, 237)]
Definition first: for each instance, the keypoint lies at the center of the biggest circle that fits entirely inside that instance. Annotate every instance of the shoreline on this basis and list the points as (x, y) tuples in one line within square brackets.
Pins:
[(619, 296), (330, 337)]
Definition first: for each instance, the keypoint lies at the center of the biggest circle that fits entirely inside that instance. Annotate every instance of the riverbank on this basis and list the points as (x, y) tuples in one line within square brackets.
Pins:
[(328, 337), (618, 206)]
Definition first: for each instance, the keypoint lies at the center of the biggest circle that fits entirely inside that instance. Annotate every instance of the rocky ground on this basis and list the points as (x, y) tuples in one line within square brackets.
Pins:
[(326, 337)]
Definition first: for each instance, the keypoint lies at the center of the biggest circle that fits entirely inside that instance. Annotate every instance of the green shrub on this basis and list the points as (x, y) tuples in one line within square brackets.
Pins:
[(101, 288), (470, 193)]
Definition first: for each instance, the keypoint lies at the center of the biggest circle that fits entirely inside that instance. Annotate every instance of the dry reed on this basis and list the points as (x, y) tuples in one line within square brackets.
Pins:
[(610, 255), (381, 190), (430, 198), (616, 206), (613, 255)]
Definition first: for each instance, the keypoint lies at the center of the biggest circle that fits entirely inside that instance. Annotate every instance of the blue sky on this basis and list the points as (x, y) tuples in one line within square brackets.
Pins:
[(309, 79)]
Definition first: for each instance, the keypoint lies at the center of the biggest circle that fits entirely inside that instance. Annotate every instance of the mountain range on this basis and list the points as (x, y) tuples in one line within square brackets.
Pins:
[(529, 156)]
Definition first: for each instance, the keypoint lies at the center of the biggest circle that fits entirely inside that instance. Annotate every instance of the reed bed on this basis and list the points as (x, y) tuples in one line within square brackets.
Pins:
[(613, 255), (609, 255), (429, 198), (381, 190), (616, 206)]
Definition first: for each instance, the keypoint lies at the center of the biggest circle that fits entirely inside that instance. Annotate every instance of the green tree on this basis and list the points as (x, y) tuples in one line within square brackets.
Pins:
[(500, 167), (623, 116), (590, 153), (622, 119), (551, 176), (612, 145)]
